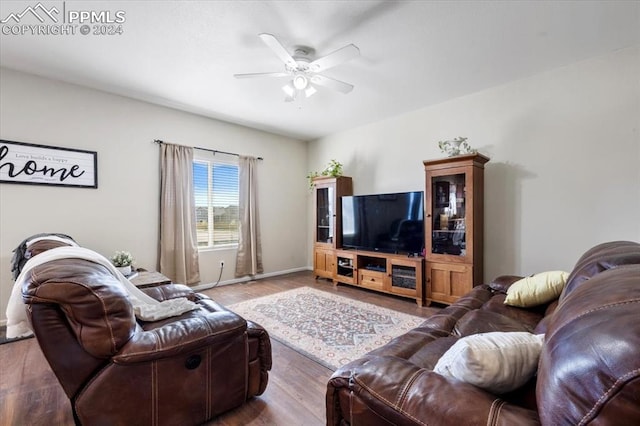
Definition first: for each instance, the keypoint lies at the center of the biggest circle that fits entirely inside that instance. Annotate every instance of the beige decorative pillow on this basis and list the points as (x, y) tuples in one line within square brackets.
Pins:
[(537, 289), (498, 362)]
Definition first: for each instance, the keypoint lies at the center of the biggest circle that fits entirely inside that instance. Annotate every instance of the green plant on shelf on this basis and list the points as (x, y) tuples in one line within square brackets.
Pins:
[(333, 169)]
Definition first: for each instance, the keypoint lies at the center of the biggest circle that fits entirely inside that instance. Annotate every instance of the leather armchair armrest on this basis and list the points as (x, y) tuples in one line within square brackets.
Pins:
[(264, 343), (169, 291), (402, 393), (181, 336), (503, 282)]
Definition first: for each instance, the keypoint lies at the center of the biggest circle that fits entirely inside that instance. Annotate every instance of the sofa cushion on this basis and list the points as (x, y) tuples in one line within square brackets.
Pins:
[(428, 355), (502, 283), (590, 359), (421, 344), (537, 289), (498, 362), (445, 320), (601, 258), (42, 246), (528, 317), (483, 321)]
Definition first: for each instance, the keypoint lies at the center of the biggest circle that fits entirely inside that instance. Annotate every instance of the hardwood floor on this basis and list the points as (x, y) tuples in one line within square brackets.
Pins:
[(30, 393)]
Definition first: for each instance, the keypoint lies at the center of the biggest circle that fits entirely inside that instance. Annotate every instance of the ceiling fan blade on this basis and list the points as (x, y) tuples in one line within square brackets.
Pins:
[(332, 83), (344, 54), (278, 49), (262, 74)]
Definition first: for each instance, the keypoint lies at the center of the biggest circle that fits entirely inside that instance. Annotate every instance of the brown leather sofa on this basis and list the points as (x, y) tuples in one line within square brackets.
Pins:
[(588, 372), (117, 370)]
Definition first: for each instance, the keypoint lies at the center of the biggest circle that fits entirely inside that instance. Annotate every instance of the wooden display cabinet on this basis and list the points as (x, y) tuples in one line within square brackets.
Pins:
[(327, 231), (454, 211), (387, 273)]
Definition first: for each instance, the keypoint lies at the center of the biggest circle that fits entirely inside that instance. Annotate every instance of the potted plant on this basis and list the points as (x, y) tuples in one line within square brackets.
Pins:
[(333, 169), (456, 146), (122, 260)]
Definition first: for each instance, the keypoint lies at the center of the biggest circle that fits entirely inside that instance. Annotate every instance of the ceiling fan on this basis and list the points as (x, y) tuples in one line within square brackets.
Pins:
[(303, 70)]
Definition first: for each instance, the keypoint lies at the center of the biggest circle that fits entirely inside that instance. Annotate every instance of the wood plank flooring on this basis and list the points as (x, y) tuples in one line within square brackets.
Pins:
[(30, 393)]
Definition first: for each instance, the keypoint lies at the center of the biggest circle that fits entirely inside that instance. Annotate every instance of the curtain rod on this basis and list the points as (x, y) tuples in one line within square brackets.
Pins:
[(158, 141)]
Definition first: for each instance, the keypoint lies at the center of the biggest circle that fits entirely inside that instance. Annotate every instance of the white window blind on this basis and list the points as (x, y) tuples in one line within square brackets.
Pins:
[(216, 193)]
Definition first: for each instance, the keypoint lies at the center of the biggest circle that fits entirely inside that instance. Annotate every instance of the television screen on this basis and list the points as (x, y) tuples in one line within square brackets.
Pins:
[(391, 223)]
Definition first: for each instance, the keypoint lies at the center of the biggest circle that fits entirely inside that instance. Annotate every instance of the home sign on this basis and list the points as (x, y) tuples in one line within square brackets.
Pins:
[(34, 164)]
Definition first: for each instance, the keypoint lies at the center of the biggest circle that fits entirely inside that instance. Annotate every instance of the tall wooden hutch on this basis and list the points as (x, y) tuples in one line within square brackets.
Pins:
[(454, 225), (328, 222)]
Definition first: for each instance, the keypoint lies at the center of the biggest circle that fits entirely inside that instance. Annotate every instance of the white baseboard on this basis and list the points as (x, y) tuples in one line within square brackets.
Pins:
[(201, 287)]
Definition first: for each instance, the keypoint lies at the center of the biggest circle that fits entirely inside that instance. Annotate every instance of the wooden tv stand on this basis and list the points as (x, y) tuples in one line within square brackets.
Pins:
[(396, 274)]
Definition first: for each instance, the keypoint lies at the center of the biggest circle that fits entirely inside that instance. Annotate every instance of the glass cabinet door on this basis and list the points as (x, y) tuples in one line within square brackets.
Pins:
[(325, 213), (448, 226)]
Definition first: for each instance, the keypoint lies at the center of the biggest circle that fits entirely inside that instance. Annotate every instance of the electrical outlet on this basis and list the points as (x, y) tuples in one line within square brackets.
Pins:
[(222, 263)]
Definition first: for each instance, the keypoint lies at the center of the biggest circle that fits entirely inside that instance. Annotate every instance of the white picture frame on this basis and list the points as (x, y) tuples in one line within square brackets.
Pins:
[(34, 164)]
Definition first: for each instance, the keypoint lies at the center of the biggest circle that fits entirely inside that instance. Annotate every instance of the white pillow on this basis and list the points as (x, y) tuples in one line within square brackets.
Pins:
[(536, 289), (498, 362)]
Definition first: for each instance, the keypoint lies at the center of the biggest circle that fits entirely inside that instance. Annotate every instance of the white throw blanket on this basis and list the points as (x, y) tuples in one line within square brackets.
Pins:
[(52, 238), (145, 307)]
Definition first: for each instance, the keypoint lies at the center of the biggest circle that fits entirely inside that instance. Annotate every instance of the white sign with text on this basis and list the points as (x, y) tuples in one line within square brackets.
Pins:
[(46, 165)]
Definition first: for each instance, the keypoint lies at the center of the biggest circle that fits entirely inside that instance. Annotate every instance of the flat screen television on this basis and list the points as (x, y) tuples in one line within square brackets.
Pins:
[(390, 223)]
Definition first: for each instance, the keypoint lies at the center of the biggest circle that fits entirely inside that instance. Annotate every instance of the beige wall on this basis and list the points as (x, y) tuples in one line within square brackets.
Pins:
[(563, 176), (122, 214), (565, 159)]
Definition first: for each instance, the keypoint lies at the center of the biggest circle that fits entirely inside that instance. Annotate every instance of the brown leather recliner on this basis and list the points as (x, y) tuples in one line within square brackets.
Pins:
[(117, 370)]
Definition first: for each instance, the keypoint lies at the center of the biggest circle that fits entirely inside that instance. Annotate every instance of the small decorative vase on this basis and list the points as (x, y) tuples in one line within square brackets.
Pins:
[(124, 270), (452, 147), (456, 147)]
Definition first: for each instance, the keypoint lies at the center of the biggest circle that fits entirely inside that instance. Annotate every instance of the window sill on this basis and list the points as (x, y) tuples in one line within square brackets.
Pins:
[(225, 247)]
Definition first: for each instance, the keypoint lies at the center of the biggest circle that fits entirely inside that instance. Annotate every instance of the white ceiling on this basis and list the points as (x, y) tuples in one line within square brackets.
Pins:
[(183, 54)]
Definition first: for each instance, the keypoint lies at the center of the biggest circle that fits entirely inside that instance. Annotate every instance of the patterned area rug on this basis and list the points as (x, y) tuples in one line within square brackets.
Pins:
[(328, 328)]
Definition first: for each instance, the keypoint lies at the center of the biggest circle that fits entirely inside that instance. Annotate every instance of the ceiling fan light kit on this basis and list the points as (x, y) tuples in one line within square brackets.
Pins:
[(309, 91), (300, 82), (289, 90), (302, 71), (292, 91)]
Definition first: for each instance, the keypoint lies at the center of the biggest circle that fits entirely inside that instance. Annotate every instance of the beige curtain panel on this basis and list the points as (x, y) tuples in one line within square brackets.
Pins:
[(178, 240), (249, 258)]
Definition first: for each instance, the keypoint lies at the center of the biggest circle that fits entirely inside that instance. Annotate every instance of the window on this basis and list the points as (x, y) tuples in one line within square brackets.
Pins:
[(215, 184)]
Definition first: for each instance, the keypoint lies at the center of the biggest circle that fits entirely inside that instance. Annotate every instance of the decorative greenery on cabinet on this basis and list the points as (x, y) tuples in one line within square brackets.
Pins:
[(333, 169)]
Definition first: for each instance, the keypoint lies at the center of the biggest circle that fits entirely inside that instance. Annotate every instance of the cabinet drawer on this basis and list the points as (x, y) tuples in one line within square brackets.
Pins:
[(372, 279)]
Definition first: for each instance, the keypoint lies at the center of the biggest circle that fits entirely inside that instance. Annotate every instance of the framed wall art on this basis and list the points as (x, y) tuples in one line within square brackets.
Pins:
[(33, 164)]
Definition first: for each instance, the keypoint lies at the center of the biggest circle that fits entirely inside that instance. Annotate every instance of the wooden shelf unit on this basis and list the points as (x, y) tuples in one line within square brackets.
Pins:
[(454, 211), (327, 231), (396, 274)]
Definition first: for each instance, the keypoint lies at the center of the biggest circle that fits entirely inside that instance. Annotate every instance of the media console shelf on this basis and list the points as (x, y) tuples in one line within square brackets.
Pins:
[(396, 274)]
